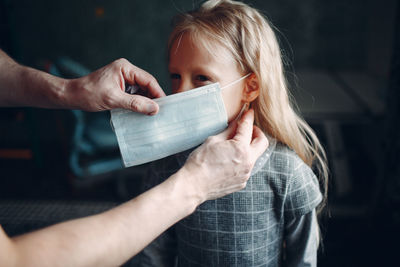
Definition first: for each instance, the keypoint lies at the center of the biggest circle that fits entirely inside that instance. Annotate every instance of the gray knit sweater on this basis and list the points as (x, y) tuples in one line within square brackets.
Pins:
[(249, 227)]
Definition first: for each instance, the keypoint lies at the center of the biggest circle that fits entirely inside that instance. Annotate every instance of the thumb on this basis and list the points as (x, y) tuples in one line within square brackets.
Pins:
[(244, 129), (137, 103)]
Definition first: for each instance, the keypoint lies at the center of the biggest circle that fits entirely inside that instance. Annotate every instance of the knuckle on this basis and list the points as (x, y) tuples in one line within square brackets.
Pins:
[(119, 63), (121, 60), (241, 149), (248, 167), (135, 104), (245, 124), (245, 169), (152, 82)]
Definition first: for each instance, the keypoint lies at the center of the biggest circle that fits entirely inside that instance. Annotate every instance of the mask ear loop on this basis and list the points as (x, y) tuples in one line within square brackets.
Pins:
[(234, 82), (246, 105), (244, 108)]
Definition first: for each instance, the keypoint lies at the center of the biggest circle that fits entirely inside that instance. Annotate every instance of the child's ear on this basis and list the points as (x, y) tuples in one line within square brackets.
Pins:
[(251, 89)]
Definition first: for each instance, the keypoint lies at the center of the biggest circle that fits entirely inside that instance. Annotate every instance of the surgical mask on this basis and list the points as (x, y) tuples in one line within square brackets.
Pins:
[(184, 120)]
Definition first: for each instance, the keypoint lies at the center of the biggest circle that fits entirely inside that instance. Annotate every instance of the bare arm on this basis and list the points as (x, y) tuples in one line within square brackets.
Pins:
[(111, 238), (100, 90), (106, 239)]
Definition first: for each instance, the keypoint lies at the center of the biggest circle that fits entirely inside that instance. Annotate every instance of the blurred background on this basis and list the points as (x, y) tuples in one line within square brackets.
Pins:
[(343, 64)]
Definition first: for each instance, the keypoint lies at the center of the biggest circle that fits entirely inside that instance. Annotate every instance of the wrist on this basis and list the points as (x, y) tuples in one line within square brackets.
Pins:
[(191, 194), (63, 94), (46, 90), (59, 91)]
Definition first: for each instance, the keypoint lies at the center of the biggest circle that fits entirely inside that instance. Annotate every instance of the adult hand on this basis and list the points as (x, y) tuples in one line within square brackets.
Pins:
[(105, 89), (223, 164), (101, 90)]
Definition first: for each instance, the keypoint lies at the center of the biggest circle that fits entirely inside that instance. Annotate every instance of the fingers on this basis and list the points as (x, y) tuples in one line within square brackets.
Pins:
[(244, 129), (229, 132), (138, 103), (135, 75), (259, 142)]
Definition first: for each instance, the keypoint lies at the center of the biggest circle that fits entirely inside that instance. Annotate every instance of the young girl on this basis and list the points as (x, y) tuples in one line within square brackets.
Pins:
[(273, 221)]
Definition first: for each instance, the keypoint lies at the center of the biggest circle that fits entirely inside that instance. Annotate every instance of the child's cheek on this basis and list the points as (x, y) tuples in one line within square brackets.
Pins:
[(232, 102)]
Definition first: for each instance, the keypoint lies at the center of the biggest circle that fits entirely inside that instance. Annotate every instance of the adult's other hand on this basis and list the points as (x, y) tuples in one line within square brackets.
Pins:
[(223, 164)]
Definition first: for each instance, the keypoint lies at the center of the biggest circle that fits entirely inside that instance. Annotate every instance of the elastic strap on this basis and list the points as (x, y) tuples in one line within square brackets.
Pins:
[(241, 112), (234, 82)]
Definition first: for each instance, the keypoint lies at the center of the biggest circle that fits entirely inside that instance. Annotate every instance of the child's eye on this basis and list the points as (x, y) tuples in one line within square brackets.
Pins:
[(174, 76), (202, 78)]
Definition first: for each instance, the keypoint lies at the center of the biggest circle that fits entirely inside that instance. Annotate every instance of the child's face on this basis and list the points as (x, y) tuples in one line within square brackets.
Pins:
[(191, 66)]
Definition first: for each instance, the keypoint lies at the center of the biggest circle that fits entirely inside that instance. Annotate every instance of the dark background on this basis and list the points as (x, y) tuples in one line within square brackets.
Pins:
[(343, 64)]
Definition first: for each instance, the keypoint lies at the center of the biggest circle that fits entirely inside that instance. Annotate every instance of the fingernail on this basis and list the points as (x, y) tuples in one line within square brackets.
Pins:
[(151, 109)]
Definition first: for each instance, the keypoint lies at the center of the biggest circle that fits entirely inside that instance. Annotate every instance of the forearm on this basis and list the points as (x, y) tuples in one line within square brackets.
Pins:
[(24, 86), (110, 238)]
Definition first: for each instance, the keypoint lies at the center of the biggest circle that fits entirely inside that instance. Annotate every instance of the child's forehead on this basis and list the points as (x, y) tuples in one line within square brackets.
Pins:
[(210, 47)]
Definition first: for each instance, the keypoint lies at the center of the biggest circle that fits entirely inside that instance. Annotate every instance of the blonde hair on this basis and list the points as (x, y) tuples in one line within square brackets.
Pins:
[(252, 42)]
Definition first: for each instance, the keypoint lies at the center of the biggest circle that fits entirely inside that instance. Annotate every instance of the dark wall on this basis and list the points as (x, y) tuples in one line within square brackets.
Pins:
[(91, 32), (322, 34)]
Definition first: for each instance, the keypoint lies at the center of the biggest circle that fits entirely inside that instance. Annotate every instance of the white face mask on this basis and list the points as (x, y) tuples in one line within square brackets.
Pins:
[(184, 121)]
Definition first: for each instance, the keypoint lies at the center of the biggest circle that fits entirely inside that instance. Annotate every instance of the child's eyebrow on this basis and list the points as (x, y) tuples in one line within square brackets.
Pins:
[(209, 71), (172, 69)]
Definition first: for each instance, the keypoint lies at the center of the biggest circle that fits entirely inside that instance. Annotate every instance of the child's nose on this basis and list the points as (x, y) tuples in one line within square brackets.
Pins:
[(184, 86)]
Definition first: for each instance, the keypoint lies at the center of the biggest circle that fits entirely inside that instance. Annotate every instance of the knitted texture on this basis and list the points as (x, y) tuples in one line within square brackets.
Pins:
[(245, 228)]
